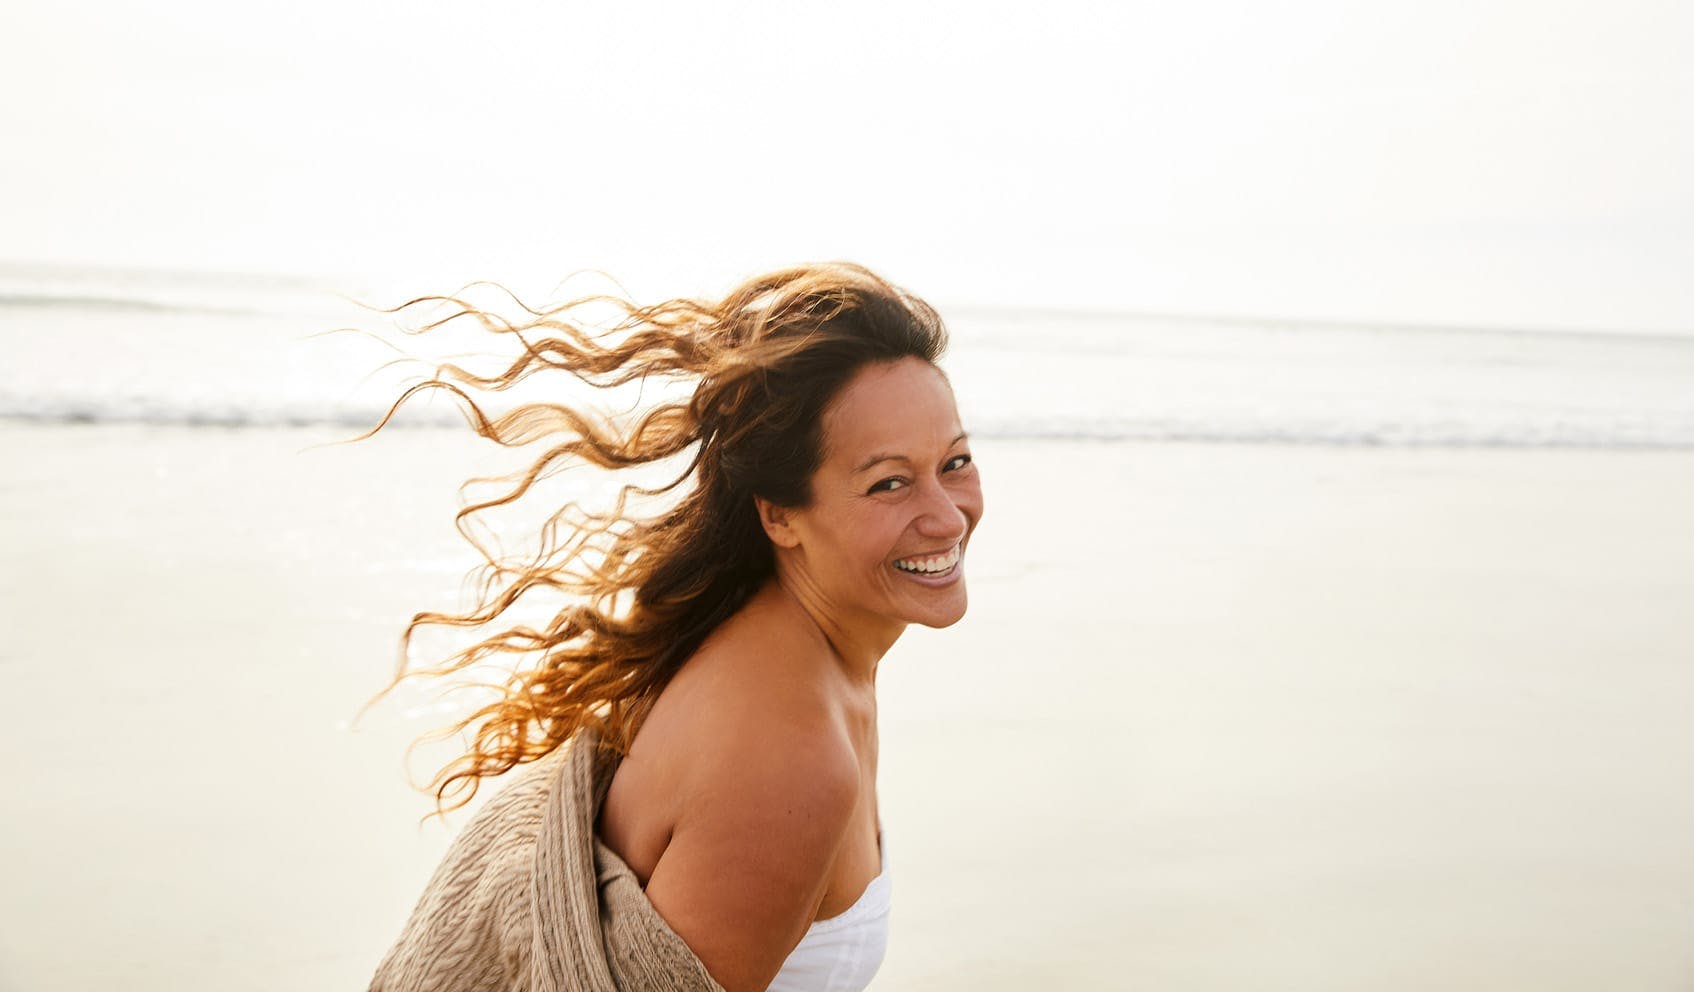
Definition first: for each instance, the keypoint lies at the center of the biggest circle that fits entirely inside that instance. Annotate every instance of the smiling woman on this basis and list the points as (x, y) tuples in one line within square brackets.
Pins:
[(700, 808)]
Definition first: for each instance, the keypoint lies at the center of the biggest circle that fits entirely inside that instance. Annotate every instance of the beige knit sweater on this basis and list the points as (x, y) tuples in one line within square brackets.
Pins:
[(529, 898)]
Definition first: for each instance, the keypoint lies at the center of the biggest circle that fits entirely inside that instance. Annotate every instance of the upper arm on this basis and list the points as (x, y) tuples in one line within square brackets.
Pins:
[(748, 862)]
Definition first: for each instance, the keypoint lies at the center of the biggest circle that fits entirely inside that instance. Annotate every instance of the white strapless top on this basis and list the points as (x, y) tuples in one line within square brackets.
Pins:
[(843, 952)]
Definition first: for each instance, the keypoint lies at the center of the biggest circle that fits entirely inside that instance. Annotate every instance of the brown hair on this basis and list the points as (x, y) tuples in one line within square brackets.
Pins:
[(765, 362)]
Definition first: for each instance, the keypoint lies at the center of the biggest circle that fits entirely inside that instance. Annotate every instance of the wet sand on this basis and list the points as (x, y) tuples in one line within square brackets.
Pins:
[(1221, 717)]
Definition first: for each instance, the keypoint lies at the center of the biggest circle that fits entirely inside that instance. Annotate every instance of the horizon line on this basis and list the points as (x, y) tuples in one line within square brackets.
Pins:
[(325, 283)]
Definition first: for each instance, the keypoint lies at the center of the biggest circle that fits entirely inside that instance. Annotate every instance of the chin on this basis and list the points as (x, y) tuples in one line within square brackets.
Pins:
[(942, 618)]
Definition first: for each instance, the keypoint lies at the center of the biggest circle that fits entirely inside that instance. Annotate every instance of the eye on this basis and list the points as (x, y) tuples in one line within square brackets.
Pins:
[(887, 485), (957, 462)]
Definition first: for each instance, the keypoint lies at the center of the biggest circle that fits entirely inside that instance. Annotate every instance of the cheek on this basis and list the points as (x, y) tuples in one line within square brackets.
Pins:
[(879, 538), (969, 500), (853, 537), (869, 540)]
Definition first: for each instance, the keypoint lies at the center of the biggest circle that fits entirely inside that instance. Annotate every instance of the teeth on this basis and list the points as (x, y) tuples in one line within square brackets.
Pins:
[(930, 566)]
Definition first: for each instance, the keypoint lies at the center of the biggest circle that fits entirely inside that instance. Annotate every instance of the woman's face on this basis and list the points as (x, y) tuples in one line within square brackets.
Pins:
[(893, 502)]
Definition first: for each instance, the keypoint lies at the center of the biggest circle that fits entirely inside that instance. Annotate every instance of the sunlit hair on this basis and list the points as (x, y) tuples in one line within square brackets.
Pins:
[(644, 591)]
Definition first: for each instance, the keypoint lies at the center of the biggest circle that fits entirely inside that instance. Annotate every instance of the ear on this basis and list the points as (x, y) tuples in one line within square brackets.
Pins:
[(777, 523)]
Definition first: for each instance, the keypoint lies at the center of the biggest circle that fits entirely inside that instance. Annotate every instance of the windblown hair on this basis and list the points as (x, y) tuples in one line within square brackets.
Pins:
[(643, 592)]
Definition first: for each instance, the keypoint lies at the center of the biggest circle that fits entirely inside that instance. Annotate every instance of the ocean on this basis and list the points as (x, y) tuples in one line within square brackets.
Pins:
[(1312, 711), (91, 346)]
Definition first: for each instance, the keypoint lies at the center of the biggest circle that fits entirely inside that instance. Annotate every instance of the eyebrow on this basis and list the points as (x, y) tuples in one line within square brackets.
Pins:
[(875, 459)]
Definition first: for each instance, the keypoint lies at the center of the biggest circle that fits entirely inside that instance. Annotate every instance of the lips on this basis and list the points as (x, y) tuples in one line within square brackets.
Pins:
[(930, 563)]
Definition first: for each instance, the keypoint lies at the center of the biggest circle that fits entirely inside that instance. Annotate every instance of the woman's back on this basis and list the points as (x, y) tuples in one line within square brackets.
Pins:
[(741, 680), (764, 676)]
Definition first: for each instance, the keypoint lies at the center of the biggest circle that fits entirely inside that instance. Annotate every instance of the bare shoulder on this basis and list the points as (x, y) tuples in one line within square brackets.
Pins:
[(770, 786)]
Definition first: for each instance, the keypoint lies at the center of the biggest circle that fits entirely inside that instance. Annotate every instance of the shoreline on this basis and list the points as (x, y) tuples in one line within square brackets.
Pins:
[(1220, 717)]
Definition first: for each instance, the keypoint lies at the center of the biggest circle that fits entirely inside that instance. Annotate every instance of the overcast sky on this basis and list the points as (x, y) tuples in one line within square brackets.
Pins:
[(1494, 163)]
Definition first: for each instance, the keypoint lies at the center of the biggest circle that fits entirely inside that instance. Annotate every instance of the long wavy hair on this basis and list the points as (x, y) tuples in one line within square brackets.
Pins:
[(642, 592)]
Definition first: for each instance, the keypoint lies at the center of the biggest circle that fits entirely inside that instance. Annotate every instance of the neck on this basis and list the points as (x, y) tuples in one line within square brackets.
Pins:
[(856, 643)]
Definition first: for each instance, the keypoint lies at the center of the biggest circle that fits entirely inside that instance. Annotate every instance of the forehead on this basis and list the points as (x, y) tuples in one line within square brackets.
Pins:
[(897, 408)]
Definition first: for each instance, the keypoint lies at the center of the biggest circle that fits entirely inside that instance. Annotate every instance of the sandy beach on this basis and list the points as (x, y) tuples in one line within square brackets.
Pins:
[(1222, 717)]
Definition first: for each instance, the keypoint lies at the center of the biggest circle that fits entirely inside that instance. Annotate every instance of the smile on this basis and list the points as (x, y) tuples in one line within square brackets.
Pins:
[(930, 565)]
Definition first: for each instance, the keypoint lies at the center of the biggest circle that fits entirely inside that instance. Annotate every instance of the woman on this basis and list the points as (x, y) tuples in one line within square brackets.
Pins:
[(702, 720)]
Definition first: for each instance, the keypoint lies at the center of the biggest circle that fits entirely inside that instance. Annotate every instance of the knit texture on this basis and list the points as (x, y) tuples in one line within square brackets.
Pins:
[(529, 898)]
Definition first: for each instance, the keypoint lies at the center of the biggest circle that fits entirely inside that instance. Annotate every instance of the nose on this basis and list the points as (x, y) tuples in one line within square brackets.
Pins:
[(939, 517)]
